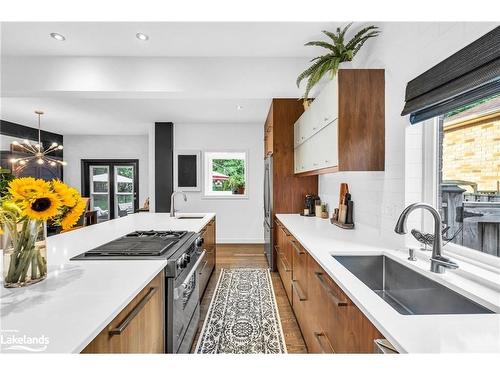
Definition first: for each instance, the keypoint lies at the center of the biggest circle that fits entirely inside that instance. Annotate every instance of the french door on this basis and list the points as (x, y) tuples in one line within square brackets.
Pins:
[(112, 186)]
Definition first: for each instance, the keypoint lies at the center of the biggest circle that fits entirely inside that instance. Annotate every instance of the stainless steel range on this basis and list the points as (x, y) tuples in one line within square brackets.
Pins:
[(184, 254)]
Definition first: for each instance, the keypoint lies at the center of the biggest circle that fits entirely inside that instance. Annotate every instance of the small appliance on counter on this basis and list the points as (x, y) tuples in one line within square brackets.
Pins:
[(310, 205), (343, 216)]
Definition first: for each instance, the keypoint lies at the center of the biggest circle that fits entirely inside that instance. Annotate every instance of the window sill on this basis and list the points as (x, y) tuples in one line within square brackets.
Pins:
[(228, 197)]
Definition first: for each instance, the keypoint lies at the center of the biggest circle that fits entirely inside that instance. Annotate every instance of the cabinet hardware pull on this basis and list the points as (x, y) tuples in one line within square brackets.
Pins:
[(287, 233), (298, 289), (193, 270), (285, 263), (202, 268), (329, 290), (297, 250), (318, 336), (132, 314)]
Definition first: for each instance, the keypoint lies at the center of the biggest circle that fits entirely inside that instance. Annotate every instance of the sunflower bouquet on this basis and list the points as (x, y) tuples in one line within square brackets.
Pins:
[(25, 208)]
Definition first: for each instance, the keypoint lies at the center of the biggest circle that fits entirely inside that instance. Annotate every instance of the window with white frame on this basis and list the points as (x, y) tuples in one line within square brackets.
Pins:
[(225, 174), (468, 177)]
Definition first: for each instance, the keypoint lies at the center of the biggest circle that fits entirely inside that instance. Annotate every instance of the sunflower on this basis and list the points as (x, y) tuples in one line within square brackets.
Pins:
[(42, 207), (72, 216), (26, 188), (67, 195)]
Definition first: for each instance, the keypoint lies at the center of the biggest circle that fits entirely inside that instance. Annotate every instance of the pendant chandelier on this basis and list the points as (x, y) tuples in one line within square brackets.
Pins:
[(38, 153)]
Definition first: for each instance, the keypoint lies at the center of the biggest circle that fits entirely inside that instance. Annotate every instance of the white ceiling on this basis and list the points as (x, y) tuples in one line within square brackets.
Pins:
[(128, 116), (255, 39), (102, 80)]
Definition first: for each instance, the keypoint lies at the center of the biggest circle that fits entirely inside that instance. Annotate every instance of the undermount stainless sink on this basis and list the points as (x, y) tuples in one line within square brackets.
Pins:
[(407, 291), (190, 217)]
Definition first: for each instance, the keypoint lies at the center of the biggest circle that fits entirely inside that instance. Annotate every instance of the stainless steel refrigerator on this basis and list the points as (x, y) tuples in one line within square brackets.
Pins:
[(268, 210)]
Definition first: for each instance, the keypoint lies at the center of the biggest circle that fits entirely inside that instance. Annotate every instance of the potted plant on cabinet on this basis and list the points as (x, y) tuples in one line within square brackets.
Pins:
[(237, 184), (338, 52)]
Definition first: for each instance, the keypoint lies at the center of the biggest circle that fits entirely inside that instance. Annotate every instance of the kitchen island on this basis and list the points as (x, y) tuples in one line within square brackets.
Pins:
[(65, 312)]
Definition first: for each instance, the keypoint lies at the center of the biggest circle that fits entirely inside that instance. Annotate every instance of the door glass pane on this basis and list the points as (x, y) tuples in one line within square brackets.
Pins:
[(124, 190), (99, 191)]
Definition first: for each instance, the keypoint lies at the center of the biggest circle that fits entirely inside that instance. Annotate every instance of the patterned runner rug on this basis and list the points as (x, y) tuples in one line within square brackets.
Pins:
[(243, 316)]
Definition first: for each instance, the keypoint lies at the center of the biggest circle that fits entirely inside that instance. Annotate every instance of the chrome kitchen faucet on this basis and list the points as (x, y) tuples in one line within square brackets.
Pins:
[(172, 201), (438, 262)]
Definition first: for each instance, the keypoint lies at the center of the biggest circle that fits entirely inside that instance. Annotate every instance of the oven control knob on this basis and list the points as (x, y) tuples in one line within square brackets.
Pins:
[(187, 258), (199, 241), (183, 262)]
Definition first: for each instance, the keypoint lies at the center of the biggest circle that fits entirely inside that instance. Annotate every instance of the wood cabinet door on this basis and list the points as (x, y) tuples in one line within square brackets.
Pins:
[(283, 265), (209, 236), (348, 329), (317, 337), (299, 285), (139, 327)]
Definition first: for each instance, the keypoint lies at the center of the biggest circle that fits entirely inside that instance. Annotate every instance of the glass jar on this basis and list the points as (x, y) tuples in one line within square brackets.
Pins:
[(24, 253)]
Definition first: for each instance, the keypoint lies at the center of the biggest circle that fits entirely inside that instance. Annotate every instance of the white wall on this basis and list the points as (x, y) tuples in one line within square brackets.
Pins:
[(238, 220), (405, 50), (77, 147)]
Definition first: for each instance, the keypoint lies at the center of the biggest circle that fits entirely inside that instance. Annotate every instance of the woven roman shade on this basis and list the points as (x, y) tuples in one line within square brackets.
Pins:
[(470, 74)]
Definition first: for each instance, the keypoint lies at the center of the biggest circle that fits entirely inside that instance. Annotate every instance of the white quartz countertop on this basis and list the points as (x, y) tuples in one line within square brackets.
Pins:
[(467, 333), (79, 298)]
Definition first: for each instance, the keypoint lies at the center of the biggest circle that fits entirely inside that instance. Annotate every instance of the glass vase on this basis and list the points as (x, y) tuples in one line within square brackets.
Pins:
[(24, 253)]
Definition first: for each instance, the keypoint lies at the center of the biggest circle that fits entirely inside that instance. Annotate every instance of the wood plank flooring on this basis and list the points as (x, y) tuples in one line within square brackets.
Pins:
[(252, 256)]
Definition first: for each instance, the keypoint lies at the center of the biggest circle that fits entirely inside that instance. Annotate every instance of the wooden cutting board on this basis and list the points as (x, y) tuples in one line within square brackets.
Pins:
[(344, 189)]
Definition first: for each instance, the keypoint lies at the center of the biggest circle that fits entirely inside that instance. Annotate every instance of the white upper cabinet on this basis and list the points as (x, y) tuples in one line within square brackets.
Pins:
[(315, 132), (319, 151), (322, 111), (344, 127)]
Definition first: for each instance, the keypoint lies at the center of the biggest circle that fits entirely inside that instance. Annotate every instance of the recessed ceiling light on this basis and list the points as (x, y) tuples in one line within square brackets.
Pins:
[(58, 37), (142, 36), (239, 107)]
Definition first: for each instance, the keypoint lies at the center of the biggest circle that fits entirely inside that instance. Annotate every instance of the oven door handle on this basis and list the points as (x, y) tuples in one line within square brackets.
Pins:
[(193, 270)]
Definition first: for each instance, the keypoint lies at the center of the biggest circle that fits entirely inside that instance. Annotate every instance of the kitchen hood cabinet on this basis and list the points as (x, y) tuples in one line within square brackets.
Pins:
[(344, 128)]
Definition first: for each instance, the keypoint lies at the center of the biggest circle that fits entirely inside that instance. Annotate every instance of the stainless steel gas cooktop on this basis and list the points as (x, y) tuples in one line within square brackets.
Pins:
[(138, 244)]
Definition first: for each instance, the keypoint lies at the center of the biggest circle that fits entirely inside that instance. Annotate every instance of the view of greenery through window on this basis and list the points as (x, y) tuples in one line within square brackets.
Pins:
[(228, 175)]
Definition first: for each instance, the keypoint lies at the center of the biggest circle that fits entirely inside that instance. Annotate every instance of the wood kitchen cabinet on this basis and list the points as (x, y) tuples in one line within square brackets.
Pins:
[(284, 259), (139, 327), (328, 319), (268, 135), (344, 128), (288, 190), (208, 265)]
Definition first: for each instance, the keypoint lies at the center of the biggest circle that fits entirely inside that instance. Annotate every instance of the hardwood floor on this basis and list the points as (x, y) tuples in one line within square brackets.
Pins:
[(252, 256)]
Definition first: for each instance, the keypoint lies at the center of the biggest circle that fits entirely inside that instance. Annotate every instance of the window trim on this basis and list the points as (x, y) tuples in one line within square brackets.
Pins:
[(430, 195), (204, 173)]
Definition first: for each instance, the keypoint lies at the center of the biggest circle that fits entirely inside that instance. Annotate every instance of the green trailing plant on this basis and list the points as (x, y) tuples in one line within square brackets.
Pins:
[(338, 52)]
